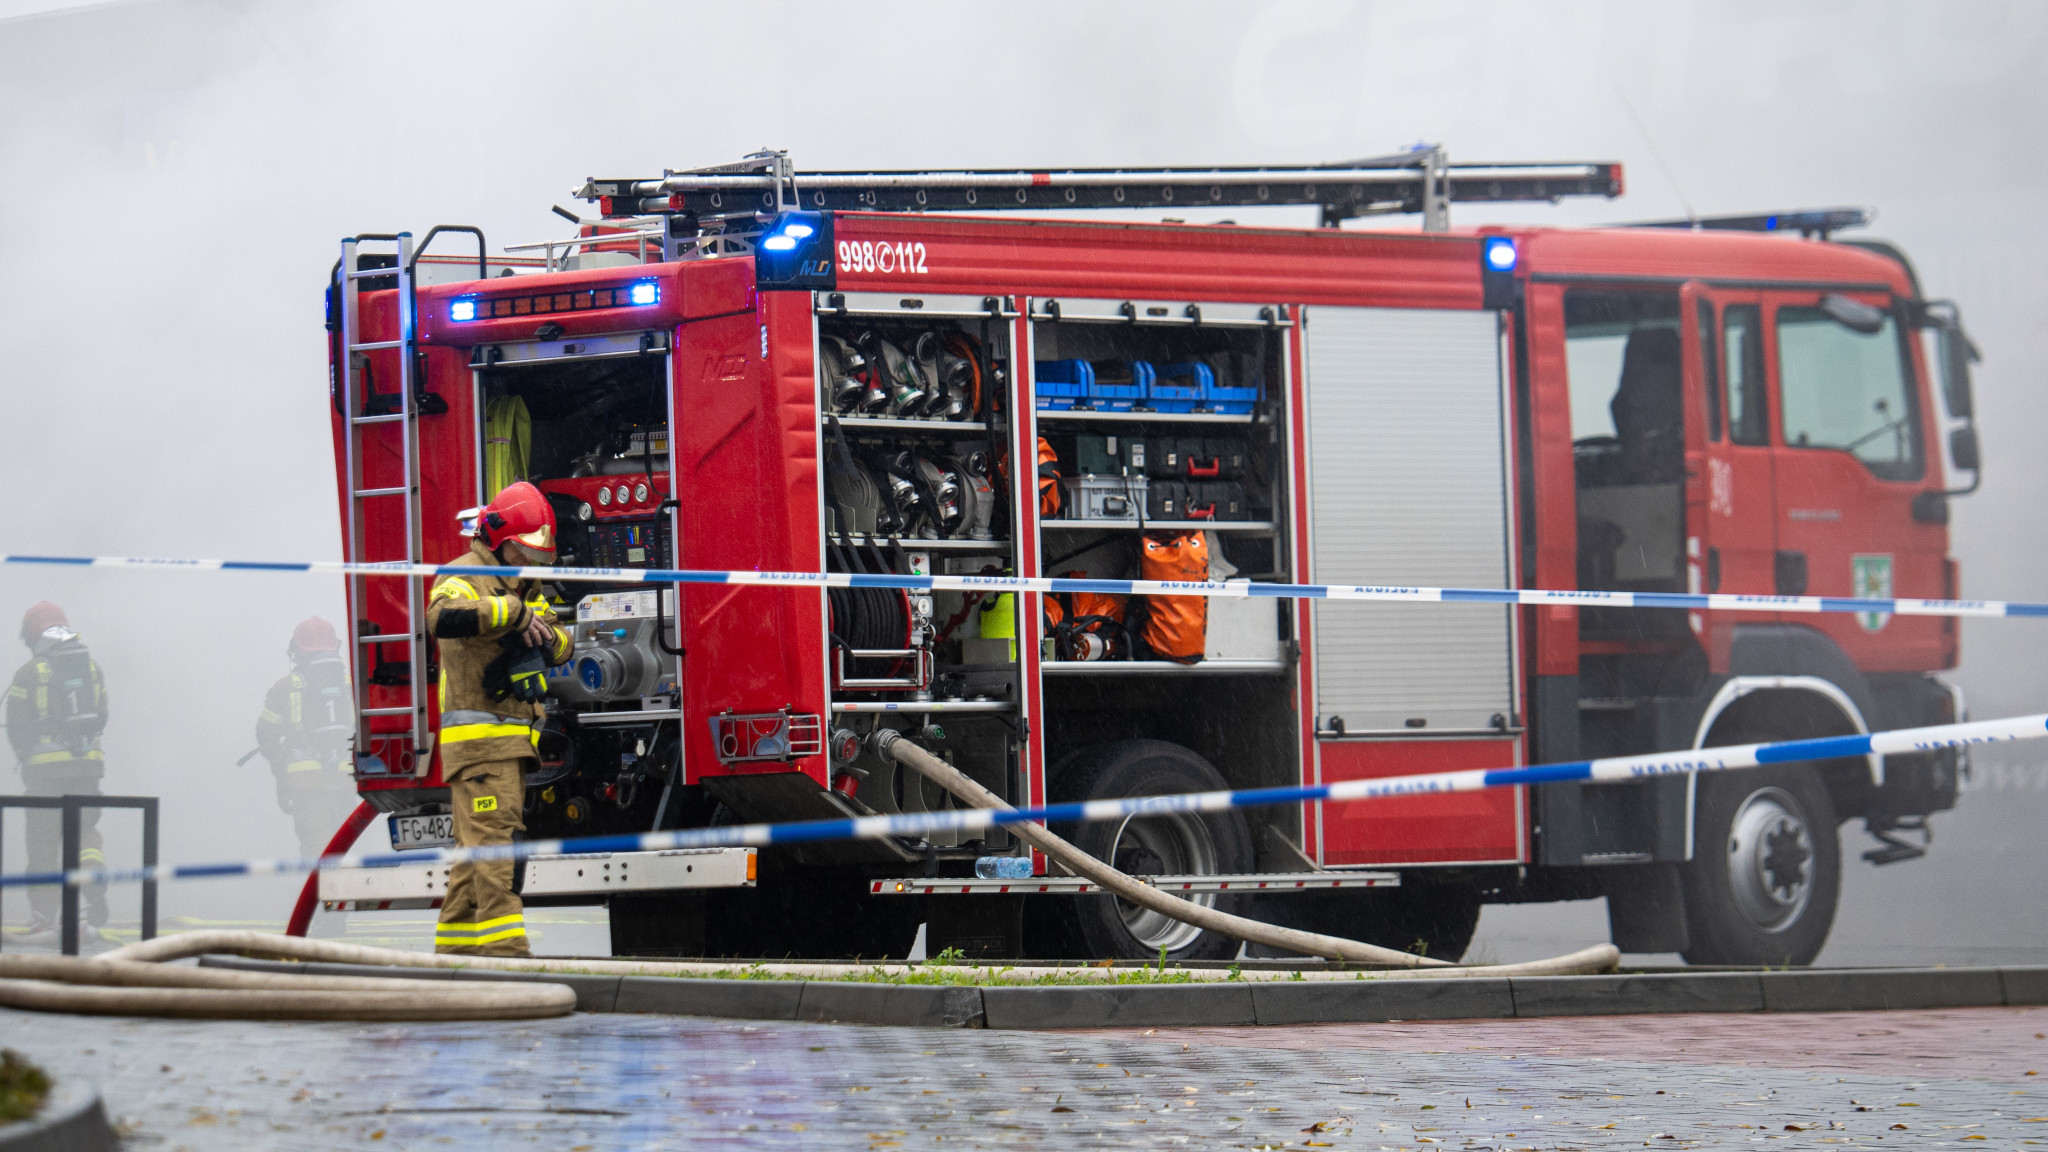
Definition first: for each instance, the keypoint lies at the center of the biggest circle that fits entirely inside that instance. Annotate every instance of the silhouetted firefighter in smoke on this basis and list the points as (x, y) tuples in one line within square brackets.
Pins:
[(56, 710), (304, 732)]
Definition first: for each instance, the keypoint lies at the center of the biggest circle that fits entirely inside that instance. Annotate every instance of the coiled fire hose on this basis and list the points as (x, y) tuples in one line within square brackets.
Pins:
[(124, 985), (893, 745)]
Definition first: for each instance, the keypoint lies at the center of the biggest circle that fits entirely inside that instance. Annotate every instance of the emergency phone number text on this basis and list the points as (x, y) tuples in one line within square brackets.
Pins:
[(870, 256)]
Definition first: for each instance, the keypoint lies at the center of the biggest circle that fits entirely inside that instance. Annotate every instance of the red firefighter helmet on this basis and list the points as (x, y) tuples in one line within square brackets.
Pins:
[(518, 513), (314, 635), (41, 618)]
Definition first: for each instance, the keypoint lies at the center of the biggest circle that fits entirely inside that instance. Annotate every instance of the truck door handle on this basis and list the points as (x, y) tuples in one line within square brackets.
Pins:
[(1790, 570), (1713, 569)]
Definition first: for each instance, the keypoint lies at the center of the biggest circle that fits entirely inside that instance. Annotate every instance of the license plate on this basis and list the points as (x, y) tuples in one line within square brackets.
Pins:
[(422, 832)]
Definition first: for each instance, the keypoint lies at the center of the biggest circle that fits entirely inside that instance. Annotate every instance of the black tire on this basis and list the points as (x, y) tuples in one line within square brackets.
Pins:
[(1196, 843), (1766, 870), (1434, 920)]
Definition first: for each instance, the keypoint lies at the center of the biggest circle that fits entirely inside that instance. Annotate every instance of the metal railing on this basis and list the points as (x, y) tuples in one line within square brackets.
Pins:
[(73, 834)]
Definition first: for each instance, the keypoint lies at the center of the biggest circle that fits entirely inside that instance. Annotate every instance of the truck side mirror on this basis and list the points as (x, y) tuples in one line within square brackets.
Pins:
[(1957, 353), (1962, 448)]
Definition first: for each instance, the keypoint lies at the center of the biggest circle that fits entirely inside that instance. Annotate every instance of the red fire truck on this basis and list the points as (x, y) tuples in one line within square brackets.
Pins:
[(751, 368)]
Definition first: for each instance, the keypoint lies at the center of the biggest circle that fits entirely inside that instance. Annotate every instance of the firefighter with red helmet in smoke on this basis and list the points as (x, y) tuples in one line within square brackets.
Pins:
[(56, 711), (497, 639), (304, 733)]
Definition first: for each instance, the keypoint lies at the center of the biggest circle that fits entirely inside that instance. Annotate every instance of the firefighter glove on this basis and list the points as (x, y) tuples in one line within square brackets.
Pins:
[(519, 672)]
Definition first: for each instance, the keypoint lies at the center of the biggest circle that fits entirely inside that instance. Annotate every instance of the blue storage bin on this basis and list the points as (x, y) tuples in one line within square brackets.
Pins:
[(1117, 385), (1233, 401), (1061, 383), (1180, 387)]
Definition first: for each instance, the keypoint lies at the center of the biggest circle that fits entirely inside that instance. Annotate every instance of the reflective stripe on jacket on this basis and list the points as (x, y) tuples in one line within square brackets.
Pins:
[(468, 615)]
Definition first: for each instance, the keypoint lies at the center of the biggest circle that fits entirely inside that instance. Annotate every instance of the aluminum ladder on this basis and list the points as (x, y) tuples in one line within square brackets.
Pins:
[(1420, 180), (356, 417)]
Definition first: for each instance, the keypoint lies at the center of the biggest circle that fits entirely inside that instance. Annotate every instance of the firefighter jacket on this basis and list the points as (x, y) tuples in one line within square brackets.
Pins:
[(57, 705), (307, 720), (469, 616)]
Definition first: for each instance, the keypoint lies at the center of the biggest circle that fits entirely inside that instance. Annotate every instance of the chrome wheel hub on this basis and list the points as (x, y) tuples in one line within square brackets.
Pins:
[(1770, 859), (1174, 844)]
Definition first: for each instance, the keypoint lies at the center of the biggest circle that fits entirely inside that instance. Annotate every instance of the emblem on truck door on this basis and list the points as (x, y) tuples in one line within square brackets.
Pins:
[(1870, 575)]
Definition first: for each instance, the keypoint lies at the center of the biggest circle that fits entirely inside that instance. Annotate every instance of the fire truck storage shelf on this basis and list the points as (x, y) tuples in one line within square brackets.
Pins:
[(887, 424), (1161, 667), (569, 875), (1060, 415), (955, 707), (992, 547), (1158, 525), (636, 716)]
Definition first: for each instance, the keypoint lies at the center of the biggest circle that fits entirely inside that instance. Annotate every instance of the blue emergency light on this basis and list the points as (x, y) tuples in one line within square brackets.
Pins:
[(790, 229), (1498, 259), (795, 250), (644, 292), (1499, 253), (462, 308)]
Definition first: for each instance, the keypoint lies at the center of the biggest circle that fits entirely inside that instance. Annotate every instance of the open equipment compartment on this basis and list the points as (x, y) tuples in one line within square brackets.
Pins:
[(914, 400), (1163, 417), (587, 422)]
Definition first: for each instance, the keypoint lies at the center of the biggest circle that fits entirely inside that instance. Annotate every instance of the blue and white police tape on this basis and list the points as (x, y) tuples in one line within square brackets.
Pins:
[(1694, 601), (1617, 768)]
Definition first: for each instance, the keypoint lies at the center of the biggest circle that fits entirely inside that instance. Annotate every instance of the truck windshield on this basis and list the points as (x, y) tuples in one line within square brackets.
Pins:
[(1849, 391)]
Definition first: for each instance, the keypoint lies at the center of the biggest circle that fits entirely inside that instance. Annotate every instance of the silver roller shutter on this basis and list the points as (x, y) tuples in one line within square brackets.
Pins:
[(1408, 485)]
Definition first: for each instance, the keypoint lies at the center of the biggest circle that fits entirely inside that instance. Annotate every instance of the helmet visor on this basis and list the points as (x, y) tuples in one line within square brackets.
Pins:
[(540, 539)]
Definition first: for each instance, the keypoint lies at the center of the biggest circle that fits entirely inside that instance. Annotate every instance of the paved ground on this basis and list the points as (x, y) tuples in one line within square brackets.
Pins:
[(1960, 1079)]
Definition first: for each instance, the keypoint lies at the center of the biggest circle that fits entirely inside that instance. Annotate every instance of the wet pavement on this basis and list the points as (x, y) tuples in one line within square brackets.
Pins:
[(1960, 1078)]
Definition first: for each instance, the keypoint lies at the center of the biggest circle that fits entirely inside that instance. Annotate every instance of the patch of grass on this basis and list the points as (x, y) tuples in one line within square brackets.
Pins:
[(23, 1087)]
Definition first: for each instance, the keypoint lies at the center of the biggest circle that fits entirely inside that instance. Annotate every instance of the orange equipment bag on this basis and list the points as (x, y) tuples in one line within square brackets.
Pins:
[(1176, 627), (1071, 618), (1048, 479)]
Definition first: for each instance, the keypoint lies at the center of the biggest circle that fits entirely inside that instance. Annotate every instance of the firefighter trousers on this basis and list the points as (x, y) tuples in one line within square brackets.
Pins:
[(319, 798), (481, 915), (46, 835)]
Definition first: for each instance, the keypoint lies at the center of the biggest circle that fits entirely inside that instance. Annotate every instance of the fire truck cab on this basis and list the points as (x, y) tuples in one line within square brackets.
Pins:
[(754, 369)]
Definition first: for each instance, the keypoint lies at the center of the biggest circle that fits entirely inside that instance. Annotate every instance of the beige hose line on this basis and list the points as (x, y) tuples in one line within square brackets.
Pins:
[(115, 985), (892, 745)]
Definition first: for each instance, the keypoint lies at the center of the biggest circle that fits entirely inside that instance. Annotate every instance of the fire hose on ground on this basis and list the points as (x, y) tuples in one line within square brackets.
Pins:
[(133, 982), (893, 745)]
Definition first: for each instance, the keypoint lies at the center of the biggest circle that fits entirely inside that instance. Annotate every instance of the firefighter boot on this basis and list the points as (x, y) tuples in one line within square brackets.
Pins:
[(481, 915)]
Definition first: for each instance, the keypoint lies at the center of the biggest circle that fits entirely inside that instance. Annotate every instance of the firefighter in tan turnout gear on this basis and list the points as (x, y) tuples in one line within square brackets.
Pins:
[(56, 710), (498, 638), (304, 732)]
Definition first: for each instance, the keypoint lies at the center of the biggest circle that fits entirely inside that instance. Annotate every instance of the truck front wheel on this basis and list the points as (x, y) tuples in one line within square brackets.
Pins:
[(1176, 843), (1766, 868)]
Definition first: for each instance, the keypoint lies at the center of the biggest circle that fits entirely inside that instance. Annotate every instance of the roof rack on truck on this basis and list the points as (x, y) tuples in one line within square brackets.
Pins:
[(1808, 222), (1421, 180)]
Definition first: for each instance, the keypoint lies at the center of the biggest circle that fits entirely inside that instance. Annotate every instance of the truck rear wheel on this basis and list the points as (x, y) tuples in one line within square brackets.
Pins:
[(1766, 869), (1179, 843)]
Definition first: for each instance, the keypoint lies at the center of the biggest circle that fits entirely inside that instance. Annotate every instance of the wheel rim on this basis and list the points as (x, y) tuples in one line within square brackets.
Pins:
[(1174, 844), (1770, 859)]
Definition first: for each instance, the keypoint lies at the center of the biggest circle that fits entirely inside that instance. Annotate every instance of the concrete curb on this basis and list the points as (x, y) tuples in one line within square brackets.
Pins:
[(73, 1120), (1225, 1003)]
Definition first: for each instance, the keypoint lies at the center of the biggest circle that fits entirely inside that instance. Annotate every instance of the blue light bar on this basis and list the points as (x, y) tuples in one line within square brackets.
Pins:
[(462, 308), (788, 230), (1499, 254), (644, 292)]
